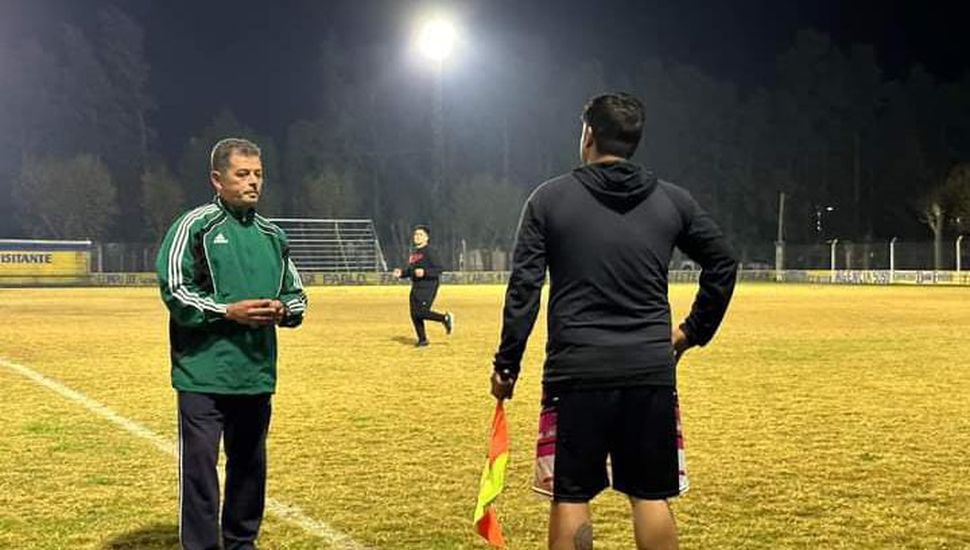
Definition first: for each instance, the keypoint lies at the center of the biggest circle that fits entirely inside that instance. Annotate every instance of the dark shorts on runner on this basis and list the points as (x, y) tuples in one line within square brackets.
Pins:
[(635, 432)]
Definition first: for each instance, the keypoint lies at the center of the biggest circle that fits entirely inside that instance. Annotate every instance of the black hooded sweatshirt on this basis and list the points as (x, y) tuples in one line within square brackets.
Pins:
[(606, 233), (422, 258)]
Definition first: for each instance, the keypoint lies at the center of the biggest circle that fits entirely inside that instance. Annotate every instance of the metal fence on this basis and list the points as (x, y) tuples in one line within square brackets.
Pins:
[(365, 256), (315, 246), (895, 254), (123, 257)]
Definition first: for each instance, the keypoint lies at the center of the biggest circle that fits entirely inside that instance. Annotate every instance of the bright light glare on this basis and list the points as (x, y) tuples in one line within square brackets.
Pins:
[(437, 39)]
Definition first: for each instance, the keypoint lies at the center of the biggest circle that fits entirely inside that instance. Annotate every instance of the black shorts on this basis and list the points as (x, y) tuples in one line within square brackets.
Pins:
[(633, 433)]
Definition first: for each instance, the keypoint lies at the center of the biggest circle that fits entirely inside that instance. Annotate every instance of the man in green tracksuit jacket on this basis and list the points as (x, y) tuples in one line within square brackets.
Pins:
[(227, 280)]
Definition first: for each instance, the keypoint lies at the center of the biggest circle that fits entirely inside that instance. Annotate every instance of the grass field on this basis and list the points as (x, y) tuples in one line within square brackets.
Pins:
[(821, 417)]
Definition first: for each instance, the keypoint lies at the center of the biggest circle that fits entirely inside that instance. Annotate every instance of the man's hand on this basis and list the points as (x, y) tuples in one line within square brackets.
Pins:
[(418, 273), (502, 385), (397, 272), (279, 311), (253, 313), (680, 342)]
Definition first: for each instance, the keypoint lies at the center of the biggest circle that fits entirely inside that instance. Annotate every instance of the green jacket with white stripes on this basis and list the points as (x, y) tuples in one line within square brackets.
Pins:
[(211, 257)]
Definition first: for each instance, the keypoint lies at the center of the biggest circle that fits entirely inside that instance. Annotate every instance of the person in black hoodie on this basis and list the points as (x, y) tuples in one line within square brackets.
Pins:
[(424, 273), (606, 232)]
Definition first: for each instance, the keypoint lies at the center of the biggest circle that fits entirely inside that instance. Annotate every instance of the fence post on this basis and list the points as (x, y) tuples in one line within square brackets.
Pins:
[(892, 260), (780, 241), (835, 242), (779, 260), (959, 240)]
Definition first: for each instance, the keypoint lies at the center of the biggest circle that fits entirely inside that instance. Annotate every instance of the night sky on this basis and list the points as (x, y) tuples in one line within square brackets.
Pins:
[(259, 58)]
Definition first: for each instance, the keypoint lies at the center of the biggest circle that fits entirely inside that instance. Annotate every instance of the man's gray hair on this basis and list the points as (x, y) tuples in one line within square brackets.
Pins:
[(221, 151)]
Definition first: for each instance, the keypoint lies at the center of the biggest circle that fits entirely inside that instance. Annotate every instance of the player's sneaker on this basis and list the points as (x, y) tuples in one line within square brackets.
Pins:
[(449, 322), (421, 344)]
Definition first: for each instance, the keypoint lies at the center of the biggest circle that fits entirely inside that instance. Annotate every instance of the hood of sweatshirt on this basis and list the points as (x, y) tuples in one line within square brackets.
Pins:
[(620, 186)]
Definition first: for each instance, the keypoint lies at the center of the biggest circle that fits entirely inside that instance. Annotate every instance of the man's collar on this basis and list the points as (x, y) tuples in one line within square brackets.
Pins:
[(244, 215)]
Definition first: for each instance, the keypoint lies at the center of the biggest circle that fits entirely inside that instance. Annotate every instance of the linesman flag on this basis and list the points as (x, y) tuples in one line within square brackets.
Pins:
[(493, 479)]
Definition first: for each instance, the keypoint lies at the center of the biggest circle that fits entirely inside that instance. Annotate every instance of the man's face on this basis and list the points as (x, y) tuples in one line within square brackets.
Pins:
[(241, 183), (420, 237)]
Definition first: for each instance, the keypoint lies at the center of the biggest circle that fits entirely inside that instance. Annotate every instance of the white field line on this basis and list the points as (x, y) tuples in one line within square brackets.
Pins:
[(286, 512)]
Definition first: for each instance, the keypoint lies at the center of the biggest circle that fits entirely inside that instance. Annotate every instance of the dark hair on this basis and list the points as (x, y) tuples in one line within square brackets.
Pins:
[(422, 227), (617, 123), (221, 151)]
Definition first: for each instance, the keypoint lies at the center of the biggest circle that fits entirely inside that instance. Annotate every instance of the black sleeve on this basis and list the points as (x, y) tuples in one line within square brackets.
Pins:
[(432, 269), (702, 240), (524, 290)]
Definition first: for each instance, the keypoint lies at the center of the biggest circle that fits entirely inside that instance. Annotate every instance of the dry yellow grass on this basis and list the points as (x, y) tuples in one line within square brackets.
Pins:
[(821, 417)]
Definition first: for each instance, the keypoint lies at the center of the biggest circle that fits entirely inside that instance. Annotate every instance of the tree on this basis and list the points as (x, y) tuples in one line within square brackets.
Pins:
[(125, 108), (328, 193), (84, 93), (309, 163), (28, 112), (65, 199), (72, 95), (486, 211), (162, 199), (28, 103), (933, 215), (948, 202), (121, 50), (956, 196)]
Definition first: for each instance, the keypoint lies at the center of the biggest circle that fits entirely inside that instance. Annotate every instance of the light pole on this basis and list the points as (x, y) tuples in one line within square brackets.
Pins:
[(436, 42), (819, 210)]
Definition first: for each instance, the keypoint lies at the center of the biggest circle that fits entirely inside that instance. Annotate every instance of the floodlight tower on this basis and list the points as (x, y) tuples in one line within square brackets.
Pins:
[(436, 42)]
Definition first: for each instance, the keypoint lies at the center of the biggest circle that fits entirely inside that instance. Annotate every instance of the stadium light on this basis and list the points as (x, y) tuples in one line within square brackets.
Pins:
[(819, 210), (436, 39)]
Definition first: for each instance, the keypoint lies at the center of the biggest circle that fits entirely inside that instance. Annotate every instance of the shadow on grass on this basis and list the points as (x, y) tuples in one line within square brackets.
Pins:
[(151, 537), (404, 341)]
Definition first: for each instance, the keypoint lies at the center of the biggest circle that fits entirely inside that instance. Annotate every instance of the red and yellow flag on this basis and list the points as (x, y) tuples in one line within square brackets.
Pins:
[(493, 479)]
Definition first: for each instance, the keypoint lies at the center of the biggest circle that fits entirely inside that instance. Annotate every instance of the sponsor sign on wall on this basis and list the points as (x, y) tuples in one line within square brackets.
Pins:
[(22, 258), (821, 276)]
